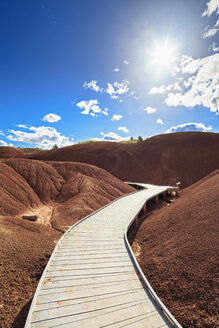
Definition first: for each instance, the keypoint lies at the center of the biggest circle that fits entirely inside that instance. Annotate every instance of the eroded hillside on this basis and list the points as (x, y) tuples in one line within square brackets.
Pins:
[(162, 159), (59, 194), (71, 190), (179, 253)]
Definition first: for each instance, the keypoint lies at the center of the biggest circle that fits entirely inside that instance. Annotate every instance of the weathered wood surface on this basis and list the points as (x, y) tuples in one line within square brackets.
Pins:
[(91, 279)]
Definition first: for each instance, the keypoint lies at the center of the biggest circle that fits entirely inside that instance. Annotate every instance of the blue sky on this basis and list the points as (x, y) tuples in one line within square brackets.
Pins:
[(75, 70)]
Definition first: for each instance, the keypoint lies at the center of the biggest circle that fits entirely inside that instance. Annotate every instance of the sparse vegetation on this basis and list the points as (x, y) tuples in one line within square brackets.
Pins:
[(55, 146), (89, 141), (131, 141), (29, 150)]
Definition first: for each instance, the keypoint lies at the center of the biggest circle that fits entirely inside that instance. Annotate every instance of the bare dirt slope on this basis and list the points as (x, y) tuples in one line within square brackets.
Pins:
[(163, 159), (177, 244), (11, 152), (179, 253), (25, 248), (73, 190), (59, 194)]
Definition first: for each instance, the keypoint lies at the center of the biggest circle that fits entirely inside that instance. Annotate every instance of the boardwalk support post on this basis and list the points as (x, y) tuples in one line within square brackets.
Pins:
[(178, 188), (136, 221), (173, 193), (145, 208)]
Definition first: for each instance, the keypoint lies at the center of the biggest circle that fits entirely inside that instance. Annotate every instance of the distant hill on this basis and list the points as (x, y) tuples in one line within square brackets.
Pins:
[(29, 150), (11, 152), (179, 240), (163, 159)]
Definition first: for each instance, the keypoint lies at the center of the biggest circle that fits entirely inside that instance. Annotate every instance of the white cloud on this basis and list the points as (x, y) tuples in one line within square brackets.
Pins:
[(51, 118), (175, 86), (117, 88), (150, 110), (116, 69), (200, 88), (114, 89), (1, 133), (189, 65), (189, 127), (96, 109), (116, 117), (135, 95), (105, 112), (126, 62), (156, 90), (214, 47), (114, 97), (121, 87), (123, 129), (23, 126), (110, 136), (3, 143), (159, 121), (110, 89), (93, 86), (162, 89), (186, 84), (211, 32), (175, 70), (212, 6), (43, 136), (91, 107)]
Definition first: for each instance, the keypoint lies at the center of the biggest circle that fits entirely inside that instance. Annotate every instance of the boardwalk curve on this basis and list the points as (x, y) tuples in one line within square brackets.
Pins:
[(93, 279)]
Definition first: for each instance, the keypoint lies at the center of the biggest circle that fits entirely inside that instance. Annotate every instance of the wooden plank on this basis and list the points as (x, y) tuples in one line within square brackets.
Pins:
[(90, 303), (101, 279), (90, 280)]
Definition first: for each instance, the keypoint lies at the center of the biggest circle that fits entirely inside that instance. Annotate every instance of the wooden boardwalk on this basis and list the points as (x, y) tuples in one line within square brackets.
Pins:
[(92, 278)]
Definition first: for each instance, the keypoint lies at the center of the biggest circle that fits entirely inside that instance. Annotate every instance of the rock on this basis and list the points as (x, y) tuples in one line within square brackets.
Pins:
[(29, 217)]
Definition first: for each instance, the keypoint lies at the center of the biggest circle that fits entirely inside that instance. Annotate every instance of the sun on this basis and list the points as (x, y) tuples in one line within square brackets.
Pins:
[(163, 54)]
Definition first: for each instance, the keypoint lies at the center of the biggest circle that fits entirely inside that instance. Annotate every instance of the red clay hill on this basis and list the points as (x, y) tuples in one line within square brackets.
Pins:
[(177, 243), (59, 194), (10, 152), (178, 252), (163, 159), (50, 188)]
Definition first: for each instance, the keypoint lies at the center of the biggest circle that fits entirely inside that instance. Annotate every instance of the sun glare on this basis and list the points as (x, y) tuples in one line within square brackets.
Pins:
[(163, 55)]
